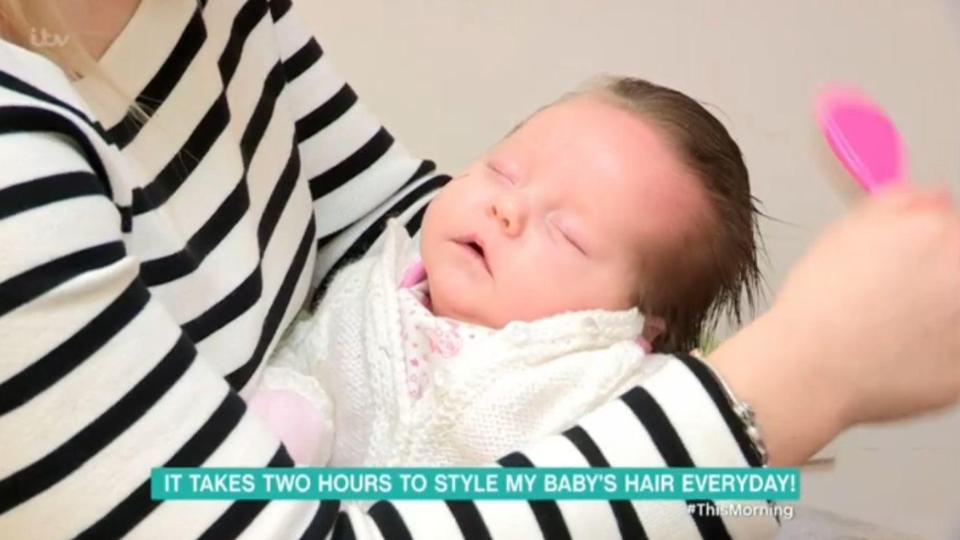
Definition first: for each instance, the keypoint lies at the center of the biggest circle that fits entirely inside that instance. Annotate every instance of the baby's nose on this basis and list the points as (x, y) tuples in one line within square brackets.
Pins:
[(508, 214)]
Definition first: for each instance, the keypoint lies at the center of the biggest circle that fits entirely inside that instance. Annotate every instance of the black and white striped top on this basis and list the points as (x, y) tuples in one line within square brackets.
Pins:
[(147, 268)]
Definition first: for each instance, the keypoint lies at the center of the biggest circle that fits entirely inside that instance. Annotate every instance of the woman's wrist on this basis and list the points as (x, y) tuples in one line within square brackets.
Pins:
[(744, 414), (799, 406)]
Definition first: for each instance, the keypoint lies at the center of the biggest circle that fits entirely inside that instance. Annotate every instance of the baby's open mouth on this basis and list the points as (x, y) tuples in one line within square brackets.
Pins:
[(476, 248)]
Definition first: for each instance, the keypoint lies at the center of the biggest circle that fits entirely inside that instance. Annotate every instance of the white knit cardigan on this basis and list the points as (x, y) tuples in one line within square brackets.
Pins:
[(502, 390)]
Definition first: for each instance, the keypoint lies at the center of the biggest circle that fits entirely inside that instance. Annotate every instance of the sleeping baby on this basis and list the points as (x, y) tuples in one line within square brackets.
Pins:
[(615, 221)]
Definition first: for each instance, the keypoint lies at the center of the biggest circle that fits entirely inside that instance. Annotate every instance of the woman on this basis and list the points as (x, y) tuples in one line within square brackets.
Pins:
[(153, 254)]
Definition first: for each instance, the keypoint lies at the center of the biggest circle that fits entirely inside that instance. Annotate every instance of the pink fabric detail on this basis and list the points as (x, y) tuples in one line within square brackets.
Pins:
[(415, 279), (293, 419), (445, 339), (415, 274), (643, 344), (426, 339), (416, 383)]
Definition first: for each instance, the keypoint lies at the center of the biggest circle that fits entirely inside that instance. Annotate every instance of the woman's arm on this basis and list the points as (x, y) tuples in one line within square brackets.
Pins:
[(98, 385), (677, 418), (864, 330)]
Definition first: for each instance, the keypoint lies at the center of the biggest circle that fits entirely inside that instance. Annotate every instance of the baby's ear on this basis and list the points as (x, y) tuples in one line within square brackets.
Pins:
[(653, 327)]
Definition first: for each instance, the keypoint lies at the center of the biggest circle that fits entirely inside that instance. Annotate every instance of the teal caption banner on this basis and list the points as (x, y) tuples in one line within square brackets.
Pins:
[(474, 483)]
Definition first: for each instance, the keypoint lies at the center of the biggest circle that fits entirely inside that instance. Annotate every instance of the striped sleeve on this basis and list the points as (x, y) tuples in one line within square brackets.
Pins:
[(97, 383), (359, 175), (677, 418)]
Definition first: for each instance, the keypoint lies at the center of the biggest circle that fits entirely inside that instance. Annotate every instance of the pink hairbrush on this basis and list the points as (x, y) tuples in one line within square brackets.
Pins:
[(862, 137)]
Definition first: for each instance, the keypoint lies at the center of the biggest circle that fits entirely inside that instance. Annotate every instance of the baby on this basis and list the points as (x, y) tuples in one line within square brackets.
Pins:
[(615, 221)]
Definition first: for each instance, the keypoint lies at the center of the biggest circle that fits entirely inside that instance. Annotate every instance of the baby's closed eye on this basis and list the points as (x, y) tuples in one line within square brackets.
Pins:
[(566, 235)]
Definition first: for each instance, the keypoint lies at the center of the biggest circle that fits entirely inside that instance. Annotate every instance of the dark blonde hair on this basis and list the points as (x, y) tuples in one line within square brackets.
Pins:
[(20, 19), (715, 269)]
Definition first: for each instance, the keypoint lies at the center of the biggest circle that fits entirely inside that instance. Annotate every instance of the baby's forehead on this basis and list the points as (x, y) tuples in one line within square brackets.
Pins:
[(619, 167), (590, 137), (571, 124)]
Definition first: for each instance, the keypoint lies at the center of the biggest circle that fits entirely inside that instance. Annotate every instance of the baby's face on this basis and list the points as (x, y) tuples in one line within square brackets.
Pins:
[(562, 215)]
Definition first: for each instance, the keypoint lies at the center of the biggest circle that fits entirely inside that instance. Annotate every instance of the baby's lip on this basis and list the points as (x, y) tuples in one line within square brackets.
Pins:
[(475, 244)]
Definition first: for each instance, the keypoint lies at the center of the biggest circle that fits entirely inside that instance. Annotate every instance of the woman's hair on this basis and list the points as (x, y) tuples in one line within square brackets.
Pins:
[(27, 22), (707, 275)]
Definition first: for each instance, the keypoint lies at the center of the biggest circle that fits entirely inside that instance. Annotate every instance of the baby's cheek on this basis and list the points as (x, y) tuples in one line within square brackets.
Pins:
[(571, 288), (429, 227), (529, 297), (453, 296)]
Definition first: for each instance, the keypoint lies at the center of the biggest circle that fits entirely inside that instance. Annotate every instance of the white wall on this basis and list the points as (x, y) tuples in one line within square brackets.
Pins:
[(450, 76)]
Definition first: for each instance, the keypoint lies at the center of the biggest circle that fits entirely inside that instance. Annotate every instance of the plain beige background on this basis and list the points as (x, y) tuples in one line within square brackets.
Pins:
[(450, 77)]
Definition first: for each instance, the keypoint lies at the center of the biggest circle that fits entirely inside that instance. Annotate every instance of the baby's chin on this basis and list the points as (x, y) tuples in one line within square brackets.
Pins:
[(473, 310), (452, 294), (446, 303), (456, 295)]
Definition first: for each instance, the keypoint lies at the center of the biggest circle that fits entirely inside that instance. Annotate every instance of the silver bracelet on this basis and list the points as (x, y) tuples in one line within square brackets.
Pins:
[(743, 410)]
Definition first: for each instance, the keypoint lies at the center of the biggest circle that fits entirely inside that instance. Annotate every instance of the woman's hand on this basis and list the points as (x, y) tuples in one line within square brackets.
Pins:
[(881, 293), (866, 328)]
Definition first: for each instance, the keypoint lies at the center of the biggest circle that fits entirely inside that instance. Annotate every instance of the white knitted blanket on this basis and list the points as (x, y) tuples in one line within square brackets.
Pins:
[(502, 388)]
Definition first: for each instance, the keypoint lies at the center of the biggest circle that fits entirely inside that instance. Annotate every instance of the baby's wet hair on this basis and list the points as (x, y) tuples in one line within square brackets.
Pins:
[(714, 272)]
